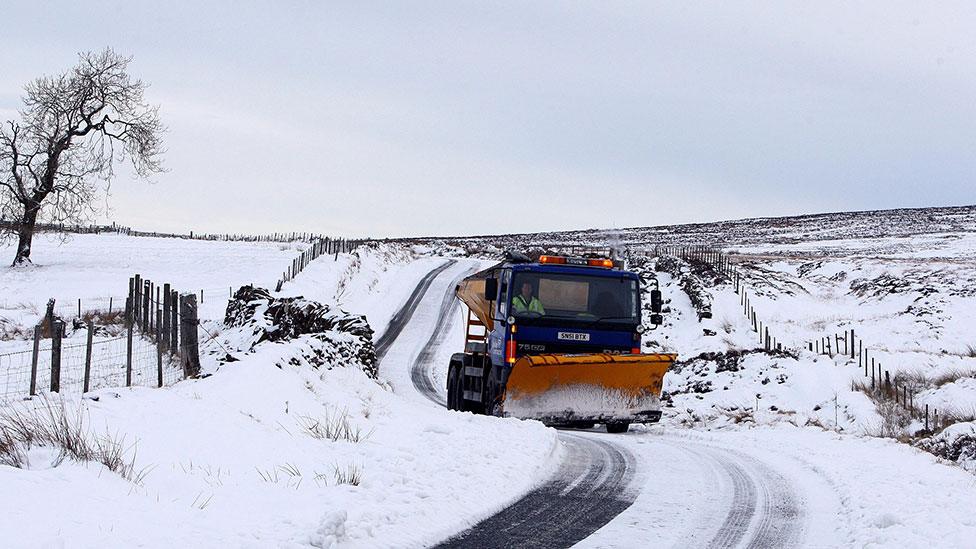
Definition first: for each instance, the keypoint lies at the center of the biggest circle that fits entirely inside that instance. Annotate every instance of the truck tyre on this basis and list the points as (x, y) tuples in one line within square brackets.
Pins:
[(459, 403), (452, 396), (618, 426)]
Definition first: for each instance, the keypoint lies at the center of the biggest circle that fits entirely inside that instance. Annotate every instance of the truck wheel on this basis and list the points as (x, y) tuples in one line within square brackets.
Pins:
[(618, 426), (452, 387)]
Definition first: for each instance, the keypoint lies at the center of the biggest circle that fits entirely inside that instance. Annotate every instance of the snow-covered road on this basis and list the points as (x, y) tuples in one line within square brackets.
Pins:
[(675, 487), (752, 505)]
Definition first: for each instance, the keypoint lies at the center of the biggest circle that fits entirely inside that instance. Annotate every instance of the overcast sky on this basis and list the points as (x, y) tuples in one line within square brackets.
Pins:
[(387, 119)]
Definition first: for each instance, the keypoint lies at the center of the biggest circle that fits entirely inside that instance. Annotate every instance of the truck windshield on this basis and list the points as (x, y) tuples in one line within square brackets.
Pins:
[(577, 297)]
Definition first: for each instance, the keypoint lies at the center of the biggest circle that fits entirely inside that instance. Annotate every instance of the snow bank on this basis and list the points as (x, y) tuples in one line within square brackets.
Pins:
[(955, 443)]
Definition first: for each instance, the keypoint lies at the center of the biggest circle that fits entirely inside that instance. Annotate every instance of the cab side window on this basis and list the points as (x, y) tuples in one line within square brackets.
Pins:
[(503, 293)]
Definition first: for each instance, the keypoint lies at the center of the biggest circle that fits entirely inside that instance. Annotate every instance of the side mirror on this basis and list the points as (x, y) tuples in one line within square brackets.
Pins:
[(657, 319), (656, 301), (491, 289)]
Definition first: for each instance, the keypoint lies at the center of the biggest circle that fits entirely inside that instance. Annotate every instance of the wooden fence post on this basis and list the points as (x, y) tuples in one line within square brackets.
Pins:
[(161, 337), (88, 357), (146, 296), (136, 306), (128, 354), (167, 319), (37, 347), (129, 298), (158, 303), (188, 323), (56, 335), (174, 303)]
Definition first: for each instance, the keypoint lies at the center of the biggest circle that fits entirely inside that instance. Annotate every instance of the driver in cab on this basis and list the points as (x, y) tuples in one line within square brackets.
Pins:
[(525, 302)]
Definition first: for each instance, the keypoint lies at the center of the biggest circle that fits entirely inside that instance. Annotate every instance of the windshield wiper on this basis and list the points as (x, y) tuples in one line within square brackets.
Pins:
[(614, 318)]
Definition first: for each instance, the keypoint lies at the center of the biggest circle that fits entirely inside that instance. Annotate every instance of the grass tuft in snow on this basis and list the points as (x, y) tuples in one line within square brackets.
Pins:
[(351, 475), (726, 325), (11, 451), (334, 427), (739, 415), (894, 421), (50, 424)]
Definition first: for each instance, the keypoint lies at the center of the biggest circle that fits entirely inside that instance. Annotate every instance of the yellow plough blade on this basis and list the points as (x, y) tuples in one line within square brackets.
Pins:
[(592, 387)]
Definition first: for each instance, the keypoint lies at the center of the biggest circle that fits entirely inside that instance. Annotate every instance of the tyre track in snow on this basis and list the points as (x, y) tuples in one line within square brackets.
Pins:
[(420, 371), (405, 312), (763, 509), (592, 486)]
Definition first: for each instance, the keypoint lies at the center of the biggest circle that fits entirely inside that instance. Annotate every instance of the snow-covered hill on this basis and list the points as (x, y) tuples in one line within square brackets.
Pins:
[(903, 280)]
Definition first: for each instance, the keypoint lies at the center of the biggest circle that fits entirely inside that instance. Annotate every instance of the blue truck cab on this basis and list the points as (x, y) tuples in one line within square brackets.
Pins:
[(585, 309)]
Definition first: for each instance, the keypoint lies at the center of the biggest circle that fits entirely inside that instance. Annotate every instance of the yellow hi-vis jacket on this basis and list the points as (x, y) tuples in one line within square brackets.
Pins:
[(533, 306)]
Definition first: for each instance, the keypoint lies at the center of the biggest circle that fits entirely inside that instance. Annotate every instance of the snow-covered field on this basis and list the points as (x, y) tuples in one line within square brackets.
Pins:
[(94, 267)]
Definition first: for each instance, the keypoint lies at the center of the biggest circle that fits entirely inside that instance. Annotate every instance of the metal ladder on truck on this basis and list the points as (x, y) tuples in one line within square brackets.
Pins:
[(476, 346)]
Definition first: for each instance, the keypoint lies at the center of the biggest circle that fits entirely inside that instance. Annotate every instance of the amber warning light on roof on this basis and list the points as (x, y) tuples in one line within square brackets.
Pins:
[(560, 260)]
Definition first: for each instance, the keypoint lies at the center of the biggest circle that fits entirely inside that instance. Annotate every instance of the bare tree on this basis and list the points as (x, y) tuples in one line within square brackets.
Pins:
[(74, 128)]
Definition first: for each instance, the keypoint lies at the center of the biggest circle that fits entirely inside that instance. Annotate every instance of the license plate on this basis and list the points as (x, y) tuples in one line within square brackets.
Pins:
[(573, 336)]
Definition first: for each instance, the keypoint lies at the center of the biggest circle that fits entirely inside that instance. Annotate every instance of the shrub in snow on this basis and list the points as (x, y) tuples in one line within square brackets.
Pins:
[(895, 419), (48, 424), (728, 361), (955, 443), (720, 387), (334, 336), (690, 281)]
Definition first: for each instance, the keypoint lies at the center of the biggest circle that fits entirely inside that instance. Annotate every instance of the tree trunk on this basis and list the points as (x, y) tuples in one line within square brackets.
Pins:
[(25, 234)]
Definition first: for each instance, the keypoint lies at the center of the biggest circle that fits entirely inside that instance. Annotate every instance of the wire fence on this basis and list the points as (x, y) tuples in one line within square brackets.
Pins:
[(878, 383), (108, 366), (154, 344), (721, 265), (319, 248), (13, 226)]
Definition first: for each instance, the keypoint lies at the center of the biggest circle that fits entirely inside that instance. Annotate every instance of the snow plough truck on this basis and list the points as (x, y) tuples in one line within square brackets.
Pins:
[(557, 339)]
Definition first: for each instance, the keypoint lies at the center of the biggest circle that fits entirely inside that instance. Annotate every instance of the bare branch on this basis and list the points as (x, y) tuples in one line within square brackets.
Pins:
[(51, 161)]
